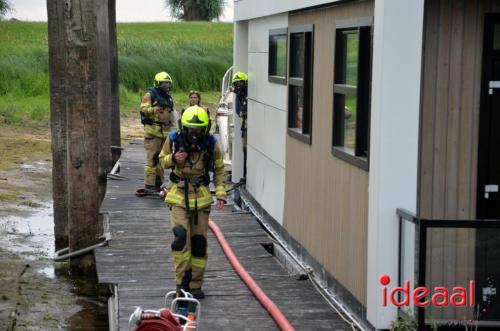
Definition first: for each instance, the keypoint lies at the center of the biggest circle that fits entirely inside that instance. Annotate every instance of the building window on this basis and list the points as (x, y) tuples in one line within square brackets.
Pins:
[(300, 83), (351, 91), (277, 55)]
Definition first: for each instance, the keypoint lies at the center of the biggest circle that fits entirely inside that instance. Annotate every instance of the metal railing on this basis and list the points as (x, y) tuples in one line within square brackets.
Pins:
[(416, 255), (226, 82)]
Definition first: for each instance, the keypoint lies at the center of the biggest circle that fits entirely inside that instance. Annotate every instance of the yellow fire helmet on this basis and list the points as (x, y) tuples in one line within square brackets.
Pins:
[(195, 117), (239, 76), (162, 77)]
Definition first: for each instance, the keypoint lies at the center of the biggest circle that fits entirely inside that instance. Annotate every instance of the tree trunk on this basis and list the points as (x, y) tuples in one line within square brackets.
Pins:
[(192, 13)]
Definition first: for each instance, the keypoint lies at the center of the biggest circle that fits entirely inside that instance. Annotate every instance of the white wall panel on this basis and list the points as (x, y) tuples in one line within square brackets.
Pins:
[(275, 134), (393, 140), (266, 183), (259, 88), (256, 126), (266, 120), (255, 173), (273, 198), (258, 31), (249, 9)]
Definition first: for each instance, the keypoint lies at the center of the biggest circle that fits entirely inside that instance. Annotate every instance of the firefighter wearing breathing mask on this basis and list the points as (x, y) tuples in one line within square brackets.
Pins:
[(191, 153), (159, 118), (240, 88)]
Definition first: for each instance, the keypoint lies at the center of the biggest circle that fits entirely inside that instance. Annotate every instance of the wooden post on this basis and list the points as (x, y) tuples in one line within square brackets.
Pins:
[(82, 126), (115, 92), (80, 76), (57, 60), (103, 94)]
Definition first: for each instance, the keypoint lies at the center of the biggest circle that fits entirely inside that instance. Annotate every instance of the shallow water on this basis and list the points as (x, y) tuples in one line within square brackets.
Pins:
[(39, 166), (30, 235)]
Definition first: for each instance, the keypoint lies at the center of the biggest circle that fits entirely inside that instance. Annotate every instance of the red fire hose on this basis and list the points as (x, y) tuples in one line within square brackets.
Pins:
[(163, 320), (273, 310)]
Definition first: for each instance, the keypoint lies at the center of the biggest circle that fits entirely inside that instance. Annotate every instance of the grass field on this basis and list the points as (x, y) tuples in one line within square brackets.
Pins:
[(195, 54)]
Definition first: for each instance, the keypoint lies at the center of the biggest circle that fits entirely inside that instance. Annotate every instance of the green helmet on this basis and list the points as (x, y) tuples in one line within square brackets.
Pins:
[(239, 76), (162, 77)]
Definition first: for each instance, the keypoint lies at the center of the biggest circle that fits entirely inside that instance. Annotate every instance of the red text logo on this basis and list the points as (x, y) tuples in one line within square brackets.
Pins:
[(421, 296)]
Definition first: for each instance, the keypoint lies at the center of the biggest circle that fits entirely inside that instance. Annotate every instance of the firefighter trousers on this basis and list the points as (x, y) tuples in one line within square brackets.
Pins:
[(189, 248), (153, 171)]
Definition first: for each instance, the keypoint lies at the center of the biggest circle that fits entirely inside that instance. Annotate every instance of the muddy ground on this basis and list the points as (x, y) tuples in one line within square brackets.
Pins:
[(35, 292)]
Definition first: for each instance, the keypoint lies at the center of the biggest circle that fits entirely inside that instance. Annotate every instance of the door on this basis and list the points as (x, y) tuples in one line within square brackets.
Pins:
[(488, 195)]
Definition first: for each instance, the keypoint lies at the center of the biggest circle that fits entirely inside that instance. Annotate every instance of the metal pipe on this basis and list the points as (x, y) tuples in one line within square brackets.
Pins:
[(79, 252), (61, 251), (115, 168)]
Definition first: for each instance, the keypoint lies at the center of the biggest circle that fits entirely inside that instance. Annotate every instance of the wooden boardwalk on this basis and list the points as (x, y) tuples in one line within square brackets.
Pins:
[(137, 263)]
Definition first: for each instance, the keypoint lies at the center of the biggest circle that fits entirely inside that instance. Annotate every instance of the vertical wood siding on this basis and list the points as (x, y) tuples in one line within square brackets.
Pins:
[(449, 125), (326, 199)]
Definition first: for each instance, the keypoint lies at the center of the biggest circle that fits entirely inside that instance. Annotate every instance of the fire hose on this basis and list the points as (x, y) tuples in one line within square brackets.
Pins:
[(169, 320), (161, 320), (265, 301)]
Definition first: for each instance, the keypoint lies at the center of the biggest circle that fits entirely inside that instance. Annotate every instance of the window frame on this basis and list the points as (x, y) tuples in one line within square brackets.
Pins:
[(272, 56), (362, 91), (305, 82)]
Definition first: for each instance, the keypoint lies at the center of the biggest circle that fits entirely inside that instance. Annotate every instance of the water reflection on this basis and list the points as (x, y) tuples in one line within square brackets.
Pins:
[(94, 310)]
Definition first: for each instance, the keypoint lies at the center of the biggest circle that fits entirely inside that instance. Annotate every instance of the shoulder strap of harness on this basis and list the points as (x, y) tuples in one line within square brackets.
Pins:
[(155, 96), (162, 101), (174, 140), (209, 159)]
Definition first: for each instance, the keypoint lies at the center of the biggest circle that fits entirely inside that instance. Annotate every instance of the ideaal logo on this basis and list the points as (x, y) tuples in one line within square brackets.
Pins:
[(439, 297)]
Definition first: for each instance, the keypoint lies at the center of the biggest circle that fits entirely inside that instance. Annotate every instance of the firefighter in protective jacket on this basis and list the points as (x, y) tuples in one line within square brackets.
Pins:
[(191, 153), (159, 118), (240, 88), (195, 100)]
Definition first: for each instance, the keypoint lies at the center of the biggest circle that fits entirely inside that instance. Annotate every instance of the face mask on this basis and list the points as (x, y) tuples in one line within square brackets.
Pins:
[(164, 88), (239, 87), (195, 137)]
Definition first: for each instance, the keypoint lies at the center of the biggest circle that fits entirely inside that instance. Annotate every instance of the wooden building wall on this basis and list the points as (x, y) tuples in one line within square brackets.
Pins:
[(326, 199), (449, 125)]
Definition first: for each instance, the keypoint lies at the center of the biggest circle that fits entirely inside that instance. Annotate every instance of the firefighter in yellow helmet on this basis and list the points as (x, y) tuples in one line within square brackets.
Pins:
[(191, 153), (239, 83), (159, 118)]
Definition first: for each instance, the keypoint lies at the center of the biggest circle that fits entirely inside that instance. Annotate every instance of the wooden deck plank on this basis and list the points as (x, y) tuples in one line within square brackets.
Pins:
[(138, 261)]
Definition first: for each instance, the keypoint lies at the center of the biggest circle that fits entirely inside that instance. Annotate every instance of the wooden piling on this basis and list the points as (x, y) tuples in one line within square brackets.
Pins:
[(115, 92), (57, 60), (81, 115), (103, 94)]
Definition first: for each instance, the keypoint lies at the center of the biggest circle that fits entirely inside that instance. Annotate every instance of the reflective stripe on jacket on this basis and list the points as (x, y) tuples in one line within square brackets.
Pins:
[(175, 196), (194, 168)]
